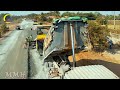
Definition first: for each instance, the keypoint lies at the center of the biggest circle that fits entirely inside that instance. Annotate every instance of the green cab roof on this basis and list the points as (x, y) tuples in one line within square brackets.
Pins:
[(83, 19)]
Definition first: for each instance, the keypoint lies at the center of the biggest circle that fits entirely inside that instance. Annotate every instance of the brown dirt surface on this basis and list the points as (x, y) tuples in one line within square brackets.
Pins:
[(12, 26), (47, 23), (93, 56), (109, 60)]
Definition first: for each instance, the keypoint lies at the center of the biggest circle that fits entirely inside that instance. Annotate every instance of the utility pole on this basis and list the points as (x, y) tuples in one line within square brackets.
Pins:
[(114, 19)]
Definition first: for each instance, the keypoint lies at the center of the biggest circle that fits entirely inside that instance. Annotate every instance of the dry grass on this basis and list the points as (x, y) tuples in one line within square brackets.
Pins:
[(12, 26), (117, 27), (111, 22), (111, 26)]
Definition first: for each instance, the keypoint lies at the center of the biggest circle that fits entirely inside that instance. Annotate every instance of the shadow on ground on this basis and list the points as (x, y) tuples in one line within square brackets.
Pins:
[(113, 51), (115, 68)]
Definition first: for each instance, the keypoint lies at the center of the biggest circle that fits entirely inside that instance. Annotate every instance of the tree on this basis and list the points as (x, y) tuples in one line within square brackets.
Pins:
[(57, 13), (98, 34), (90, 16), (97, 14), (68, 14), (31, 16), (53, 13), (37, 18), (102, 20), (110, 17), (43, 18), (49, 19)]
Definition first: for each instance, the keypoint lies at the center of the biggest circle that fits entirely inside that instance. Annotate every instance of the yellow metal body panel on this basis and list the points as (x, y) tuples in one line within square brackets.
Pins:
[(35, 23), (41, 37)]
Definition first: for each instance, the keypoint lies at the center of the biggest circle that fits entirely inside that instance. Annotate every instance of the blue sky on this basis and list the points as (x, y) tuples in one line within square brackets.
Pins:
[(38, 12)]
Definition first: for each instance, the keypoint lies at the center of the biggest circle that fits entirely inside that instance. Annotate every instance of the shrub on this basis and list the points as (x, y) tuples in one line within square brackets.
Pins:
[(3, 29), (101, 21), (97, 34), (50, 20)]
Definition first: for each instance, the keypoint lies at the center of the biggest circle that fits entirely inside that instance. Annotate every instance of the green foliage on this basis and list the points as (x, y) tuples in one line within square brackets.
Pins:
[(111, 17), (50, 20), (43, 18), (53, 13), (88, 15), (97, 14), (102, 21), (70, 14), (98, 35)]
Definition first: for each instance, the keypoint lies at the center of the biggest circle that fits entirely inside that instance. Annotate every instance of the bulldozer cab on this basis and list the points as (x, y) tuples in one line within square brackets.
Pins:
[(39, 31), (42, 30)]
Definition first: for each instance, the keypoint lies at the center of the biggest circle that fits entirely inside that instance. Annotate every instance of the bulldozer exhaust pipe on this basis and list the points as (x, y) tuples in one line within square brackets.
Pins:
[(73, 51)]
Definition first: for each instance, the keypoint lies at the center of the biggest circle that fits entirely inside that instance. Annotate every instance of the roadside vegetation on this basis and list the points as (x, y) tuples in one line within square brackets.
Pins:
[(99, 25), (98, 35), (3, 29)]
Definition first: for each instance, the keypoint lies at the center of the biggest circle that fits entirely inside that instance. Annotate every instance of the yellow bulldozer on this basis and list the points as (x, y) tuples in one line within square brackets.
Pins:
[(41, 31)]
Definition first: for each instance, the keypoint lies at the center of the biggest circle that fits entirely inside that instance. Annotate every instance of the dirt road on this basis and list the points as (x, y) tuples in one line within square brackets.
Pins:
[(13, 57)]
